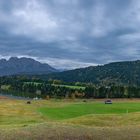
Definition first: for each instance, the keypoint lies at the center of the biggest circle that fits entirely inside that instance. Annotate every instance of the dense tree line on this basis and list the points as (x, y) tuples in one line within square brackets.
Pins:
[(112, 92), (35, 88), (32, 87)]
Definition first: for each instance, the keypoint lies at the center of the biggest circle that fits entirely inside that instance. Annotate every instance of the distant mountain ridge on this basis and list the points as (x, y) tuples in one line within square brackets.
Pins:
[(127, 72), (23, 66)]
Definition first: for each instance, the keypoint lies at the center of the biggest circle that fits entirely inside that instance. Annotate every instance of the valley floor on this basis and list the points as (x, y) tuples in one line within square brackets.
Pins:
[(69, 120), (47, 131)]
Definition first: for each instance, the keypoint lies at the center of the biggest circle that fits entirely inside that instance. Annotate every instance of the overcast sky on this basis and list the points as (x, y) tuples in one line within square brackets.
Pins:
[(70, 33)]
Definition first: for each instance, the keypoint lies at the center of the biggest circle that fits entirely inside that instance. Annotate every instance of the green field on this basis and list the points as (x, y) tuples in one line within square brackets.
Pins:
[(67, 119), (66, 86), (71, 87), (81, 109), (58, 85)]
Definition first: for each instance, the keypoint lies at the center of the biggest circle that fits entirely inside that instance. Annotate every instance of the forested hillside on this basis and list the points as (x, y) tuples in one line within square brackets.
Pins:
[(126, 73)]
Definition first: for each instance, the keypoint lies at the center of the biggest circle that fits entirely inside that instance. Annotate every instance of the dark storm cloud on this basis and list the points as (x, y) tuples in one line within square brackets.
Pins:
[(70, 33)]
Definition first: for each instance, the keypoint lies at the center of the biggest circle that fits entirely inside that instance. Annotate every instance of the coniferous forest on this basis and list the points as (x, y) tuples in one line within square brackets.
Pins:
[(33, 87)]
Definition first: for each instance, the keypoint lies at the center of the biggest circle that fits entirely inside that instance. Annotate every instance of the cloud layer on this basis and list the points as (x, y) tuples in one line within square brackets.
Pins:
[(71, 33)]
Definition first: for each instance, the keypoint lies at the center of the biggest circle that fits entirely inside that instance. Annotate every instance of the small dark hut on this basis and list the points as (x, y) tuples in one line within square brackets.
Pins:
[(28, 102)]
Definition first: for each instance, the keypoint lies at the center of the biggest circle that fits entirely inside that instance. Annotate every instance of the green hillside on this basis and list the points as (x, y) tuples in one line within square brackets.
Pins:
[(127, 73)]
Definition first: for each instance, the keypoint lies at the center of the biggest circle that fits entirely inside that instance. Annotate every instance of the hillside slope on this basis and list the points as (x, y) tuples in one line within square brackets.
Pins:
[(119, 72)]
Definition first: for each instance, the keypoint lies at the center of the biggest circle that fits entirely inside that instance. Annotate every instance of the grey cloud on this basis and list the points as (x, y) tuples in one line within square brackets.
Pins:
[(70, 33)]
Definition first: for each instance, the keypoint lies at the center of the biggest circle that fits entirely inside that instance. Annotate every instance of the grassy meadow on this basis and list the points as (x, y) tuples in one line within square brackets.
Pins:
[(57, 85), (68, 86), (68, 119)]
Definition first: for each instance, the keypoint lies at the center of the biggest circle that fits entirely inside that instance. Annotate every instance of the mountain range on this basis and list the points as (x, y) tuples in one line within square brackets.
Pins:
[(23, 66), (126, 73)]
